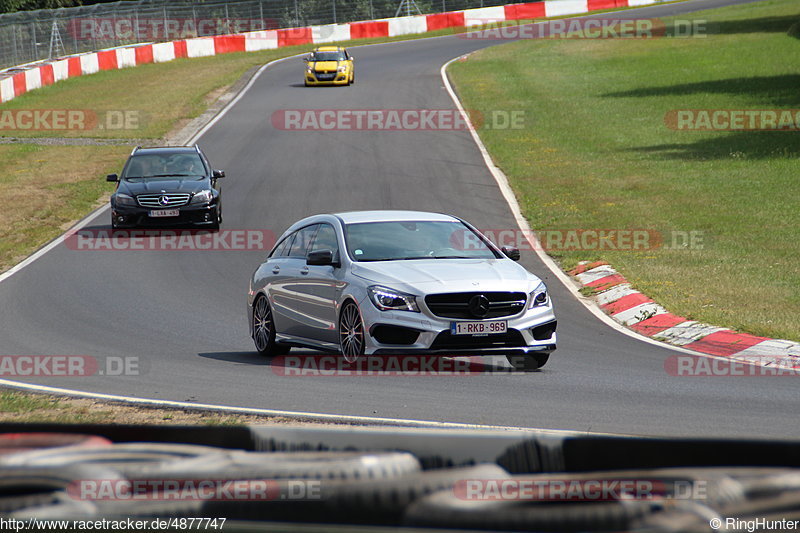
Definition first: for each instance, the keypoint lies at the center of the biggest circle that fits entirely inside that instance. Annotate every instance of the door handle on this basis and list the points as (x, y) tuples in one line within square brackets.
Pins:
[(304, 270), (276, 269)]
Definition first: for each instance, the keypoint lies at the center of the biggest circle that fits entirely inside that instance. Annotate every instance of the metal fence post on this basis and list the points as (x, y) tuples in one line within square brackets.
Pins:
[(333, 3), (34, 48)]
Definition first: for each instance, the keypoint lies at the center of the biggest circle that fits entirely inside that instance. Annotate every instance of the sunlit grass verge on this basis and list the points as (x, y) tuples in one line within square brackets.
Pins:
[(595, 152), (45, 189), (16, 406)]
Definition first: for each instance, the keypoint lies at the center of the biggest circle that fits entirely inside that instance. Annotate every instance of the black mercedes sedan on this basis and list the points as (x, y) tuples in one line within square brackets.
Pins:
[(166, 186)]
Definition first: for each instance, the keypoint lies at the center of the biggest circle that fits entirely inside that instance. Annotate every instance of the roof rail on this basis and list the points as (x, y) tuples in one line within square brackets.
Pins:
[(134, 150)]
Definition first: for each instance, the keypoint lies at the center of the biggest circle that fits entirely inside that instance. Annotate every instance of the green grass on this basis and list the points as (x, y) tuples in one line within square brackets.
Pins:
[(45, 189), (595, 153), (27, 407)]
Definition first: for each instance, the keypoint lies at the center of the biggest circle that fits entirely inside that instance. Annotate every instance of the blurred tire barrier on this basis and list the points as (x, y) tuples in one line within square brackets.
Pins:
[(127, 459), (25, 488), (344, 466), (444, 509), (381, 502), (264, 478), (22, 442)]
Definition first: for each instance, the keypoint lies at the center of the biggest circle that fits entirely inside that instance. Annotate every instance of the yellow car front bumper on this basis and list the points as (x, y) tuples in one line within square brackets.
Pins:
[(341, 78)]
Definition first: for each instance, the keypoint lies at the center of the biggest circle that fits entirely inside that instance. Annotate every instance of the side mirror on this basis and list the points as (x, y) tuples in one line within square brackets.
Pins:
[(511, 252), (218, 174), (112, 177), (320, 257)]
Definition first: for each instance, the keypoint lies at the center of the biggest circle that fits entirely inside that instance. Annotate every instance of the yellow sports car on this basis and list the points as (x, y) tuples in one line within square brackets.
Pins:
[(329, 65)]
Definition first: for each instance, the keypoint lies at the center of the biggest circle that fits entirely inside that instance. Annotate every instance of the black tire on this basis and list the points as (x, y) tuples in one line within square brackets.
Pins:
[(528, 362), (351, 332), (264, 329)]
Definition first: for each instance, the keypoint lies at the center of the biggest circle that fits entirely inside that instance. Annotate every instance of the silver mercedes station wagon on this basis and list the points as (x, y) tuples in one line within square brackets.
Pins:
[(398, 282)]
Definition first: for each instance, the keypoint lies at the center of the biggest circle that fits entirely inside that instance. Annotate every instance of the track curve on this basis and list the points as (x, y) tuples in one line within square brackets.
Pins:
[(183, 313)]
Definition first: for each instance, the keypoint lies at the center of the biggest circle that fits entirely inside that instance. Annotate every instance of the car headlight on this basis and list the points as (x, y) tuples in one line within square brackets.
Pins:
[(539, 297), (309, 69), (343, 68), (124, 199), (387, 299), (202, 197)]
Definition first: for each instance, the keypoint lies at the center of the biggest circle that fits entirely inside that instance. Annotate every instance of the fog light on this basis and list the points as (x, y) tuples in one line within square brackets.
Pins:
[(120, 219)]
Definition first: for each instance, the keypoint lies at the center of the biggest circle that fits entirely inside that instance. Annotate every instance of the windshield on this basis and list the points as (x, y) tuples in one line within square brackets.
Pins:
[(164, 165), (394, 241), (329, 56)]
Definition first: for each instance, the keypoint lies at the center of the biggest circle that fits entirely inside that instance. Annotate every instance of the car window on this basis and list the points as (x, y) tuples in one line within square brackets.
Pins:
[(162, 165), (329, 56), (282, 248), (388, 241), (302, 240), (325, 239)]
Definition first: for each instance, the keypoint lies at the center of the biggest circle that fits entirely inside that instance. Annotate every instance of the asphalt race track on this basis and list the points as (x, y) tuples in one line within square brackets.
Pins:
[(182, 313)]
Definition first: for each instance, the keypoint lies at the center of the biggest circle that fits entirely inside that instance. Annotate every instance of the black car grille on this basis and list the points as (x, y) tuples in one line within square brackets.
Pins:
[(447, 341), (163, 200), (464, 304), (325, 75)]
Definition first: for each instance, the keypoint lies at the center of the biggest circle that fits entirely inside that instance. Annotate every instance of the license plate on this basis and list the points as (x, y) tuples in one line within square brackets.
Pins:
[(325, 76), (165, 213), (479, 328)]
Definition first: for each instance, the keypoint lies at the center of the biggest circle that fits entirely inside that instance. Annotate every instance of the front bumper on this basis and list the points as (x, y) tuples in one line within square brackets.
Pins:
[(136, 216), (404, 332), (341, 78)]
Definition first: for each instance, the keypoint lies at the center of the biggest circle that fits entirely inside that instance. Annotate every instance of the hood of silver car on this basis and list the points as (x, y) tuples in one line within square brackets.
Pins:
[(455, 274)]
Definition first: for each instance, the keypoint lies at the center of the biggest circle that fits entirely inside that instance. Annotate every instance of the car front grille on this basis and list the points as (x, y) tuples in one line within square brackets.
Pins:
[(325, 75), (462, 304), (163, 200), (447, 341)]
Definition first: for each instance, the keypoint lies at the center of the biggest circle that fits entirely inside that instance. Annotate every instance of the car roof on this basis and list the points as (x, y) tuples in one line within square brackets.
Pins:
[(328, 49), (165, 150), (354, 217)]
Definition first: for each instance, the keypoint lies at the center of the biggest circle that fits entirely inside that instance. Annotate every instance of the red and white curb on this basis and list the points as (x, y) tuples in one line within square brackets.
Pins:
[(19, 80), (633, 309)]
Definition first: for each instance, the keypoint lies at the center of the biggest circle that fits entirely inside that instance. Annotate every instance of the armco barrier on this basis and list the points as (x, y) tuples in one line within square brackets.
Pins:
[(19, 80)]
